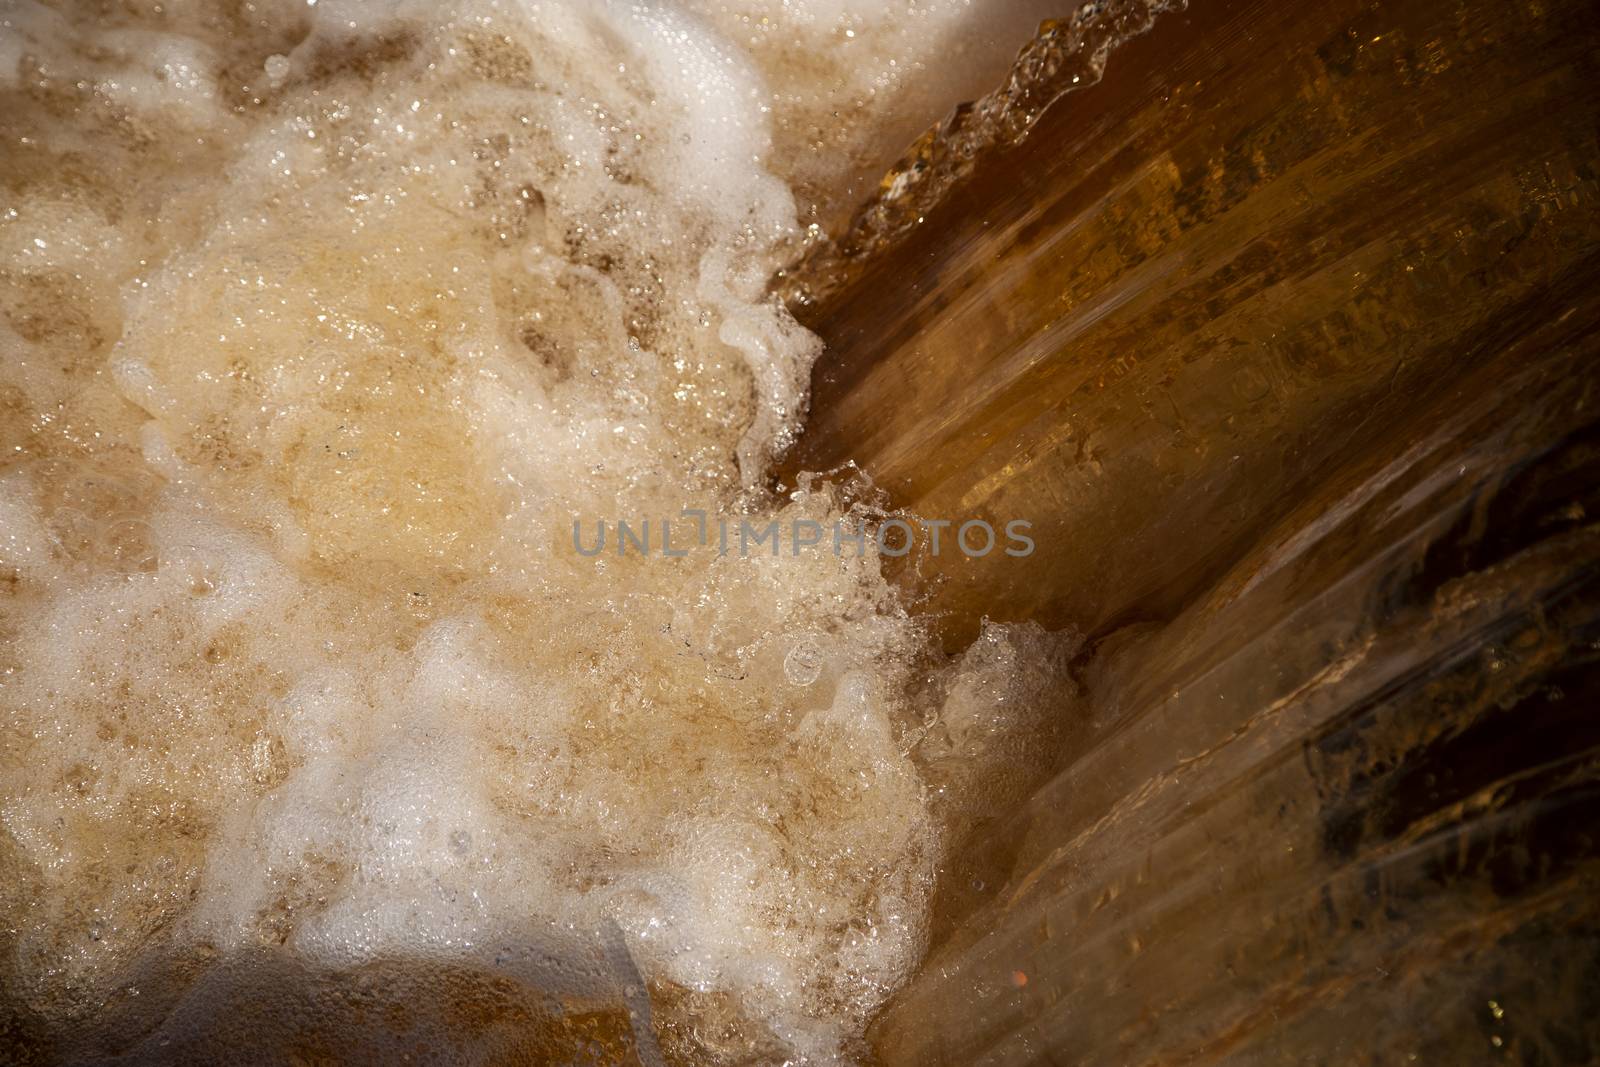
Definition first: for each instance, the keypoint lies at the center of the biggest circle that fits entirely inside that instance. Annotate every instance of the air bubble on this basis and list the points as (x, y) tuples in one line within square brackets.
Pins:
[(277, 69), (803, 664)]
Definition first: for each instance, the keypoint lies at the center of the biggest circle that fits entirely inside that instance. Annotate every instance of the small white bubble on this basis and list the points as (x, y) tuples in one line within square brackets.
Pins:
[(803, 664), (277, 68)]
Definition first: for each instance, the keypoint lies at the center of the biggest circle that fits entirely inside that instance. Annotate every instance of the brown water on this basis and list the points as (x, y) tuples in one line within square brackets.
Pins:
[(325, 324)]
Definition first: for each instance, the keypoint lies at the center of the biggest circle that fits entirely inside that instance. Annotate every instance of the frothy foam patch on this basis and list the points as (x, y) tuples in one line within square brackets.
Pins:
[(324, 323)]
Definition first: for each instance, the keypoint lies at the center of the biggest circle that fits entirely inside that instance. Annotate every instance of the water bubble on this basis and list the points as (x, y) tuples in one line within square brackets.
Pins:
[(129, 544), (276, 68), (803, 664)]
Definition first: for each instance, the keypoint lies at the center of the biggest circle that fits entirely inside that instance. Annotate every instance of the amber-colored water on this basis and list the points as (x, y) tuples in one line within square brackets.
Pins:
[(1285, 332)]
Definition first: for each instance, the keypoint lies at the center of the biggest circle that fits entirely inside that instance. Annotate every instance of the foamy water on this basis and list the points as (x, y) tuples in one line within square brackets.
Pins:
[(324, 324)]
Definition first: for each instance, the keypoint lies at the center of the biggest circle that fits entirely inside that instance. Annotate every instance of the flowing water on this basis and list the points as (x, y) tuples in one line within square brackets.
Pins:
[(325, 324)]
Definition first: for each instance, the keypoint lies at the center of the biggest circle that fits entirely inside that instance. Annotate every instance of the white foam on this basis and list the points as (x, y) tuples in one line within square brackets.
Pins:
[(305, 656)]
